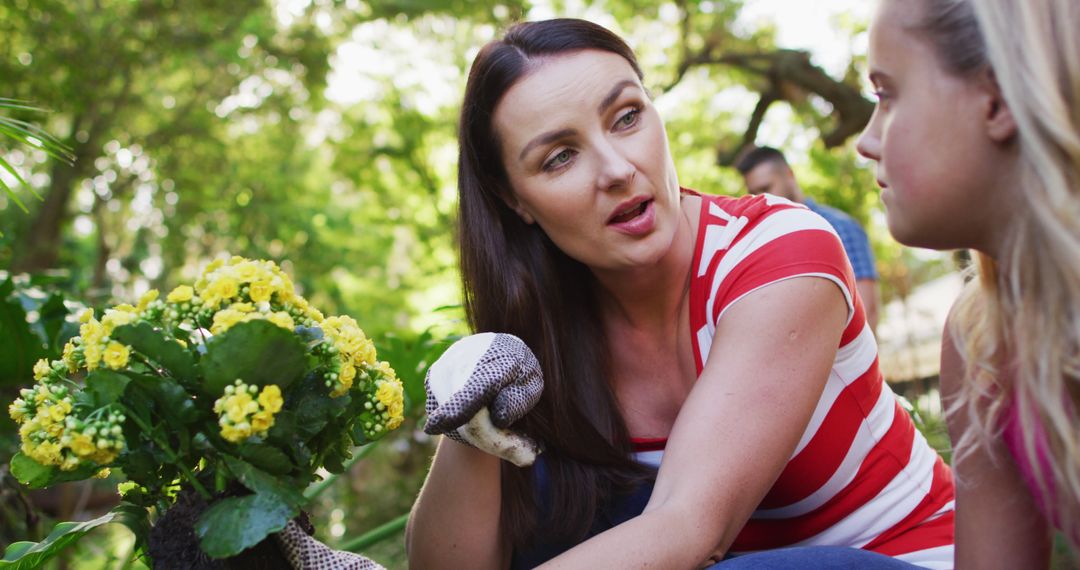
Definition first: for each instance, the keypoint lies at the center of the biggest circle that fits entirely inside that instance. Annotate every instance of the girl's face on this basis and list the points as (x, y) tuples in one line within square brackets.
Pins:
[(942, 162), (587, 156)]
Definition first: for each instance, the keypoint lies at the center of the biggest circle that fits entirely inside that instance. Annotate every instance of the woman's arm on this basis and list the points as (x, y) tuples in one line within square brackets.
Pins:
[(769, 362), (455, 521), (997, 523)]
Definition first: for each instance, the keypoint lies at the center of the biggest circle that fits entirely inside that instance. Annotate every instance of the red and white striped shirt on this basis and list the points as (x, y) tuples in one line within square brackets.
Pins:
[(861, 475)]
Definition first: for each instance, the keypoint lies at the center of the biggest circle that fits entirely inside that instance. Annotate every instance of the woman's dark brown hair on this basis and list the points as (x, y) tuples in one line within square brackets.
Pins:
[(516, 281)]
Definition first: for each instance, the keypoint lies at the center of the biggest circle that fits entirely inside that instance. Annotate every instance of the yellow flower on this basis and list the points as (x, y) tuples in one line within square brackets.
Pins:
[(41, 369), (236, 433), (270, 399), (17, 410), (103, 474), (245, 271), (117, 318), (181, 294), (282, 319), (116, 355), (260, 291), (69, 357), (236, 406), (213, 266), (391, 395), (243, 307), (86, 316), (147, 298), (59, 411), (82, 445), (91, 332), (225, 319), (262, 421), (221, 289), (46, 453), (346, 375), (92, 353)]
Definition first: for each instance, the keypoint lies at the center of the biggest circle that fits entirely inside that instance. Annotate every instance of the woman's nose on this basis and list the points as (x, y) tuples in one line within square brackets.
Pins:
[(615, 169)]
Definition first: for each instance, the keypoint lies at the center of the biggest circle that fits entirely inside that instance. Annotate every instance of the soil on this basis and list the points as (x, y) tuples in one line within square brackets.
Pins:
[(174, 545)]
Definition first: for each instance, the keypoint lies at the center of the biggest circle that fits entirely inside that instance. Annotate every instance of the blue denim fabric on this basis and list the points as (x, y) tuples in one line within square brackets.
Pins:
[(813, 558), (629, 506)]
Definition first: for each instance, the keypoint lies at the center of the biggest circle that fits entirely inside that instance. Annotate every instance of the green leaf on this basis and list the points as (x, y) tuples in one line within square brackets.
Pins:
[(314, 408), (263, 483), (27, 555), (20, 347), (171, 400), (36, 476), (137, 519), (106, 386), (151, 343), (257, 352), (266, 457), (237, 523)]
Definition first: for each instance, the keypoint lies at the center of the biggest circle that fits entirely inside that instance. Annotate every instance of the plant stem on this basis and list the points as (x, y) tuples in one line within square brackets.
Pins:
[(315, 489), (376, 534), (169, 453)]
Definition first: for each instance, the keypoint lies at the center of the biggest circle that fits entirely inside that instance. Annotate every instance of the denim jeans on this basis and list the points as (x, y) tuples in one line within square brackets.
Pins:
[(813, 558)]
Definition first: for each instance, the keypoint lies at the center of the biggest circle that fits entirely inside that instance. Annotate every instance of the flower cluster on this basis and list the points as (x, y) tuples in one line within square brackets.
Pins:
[(244, 411), (59, 429), (52, 435), (384, 406)]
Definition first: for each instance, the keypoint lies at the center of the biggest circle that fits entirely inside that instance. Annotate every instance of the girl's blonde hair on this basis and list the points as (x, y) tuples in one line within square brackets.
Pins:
[(1018, 324)]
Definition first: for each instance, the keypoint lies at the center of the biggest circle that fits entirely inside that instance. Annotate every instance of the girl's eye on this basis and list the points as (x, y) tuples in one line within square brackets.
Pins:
[(559, 159), (628, 119)]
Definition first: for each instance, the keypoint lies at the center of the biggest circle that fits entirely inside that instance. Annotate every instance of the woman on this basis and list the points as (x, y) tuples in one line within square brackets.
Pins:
[(1003, 179), (700, 330)]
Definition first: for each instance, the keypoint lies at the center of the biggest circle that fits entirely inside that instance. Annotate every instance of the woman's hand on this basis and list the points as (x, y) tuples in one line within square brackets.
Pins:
[(482, 384)]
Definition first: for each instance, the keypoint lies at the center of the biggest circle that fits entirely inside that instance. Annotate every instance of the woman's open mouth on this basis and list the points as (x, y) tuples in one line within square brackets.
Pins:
[(630, 213)]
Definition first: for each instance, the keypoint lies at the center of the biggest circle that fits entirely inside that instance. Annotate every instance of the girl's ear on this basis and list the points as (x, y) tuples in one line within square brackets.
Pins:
[(999, 120)]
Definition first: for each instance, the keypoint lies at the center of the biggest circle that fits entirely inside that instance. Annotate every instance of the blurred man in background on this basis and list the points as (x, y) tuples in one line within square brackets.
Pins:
[(764, 169)]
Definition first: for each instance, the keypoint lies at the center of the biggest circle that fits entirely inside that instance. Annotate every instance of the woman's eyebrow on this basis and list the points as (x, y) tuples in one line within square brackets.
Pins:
[(545, 138), (614, 94), (552, 136)]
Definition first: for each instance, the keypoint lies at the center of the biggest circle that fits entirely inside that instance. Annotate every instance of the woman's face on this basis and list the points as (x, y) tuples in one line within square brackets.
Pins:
[(939, 168), (587, 157)]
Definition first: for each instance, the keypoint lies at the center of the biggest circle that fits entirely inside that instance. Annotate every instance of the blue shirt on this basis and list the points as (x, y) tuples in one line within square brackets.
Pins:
[(852, 236)]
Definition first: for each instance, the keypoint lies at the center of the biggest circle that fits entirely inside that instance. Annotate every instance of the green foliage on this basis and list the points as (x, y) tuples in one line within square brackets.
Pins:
[(27, 134), (259, 353), (209, 412), (29, 555), (234, 524)]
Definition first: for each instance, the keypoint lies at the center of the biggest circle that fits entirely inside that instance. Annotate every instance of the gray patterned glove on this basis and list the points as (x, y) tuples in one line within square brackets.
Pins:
[(479, 386), (306, 553)]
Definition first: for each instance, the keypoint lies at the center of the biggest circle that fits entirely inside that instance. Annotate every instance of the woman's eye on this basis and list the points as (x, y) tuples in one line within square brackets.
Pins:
[(559, 159), (628, 119)]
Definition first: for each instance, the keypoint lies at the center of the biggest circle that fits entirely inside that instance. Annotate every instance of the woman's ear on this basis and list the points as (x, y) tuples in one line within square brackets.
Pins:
[(524, 215), (519, 209), (998, 117)]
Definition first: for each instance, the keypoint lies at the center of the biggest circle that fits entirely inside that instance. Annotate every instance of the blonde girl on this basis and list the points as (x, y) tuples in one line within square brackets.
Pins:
[(977, 142)]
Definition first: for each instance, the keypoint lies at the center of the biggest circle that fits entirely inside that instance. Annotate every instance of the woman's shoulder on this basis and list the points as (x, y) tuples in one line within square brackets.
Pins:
[(752, 209)]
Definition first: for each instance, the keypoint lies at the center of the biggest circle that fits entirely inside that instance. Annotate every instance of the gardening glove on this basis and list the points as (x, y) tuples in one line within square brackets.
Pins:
[(306, 553), (478, 387)]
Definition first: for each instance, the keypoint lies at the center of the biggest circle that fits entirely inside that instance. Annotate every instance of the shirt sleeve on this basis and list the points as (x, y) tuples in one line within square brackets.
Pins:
[(784, 243)]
